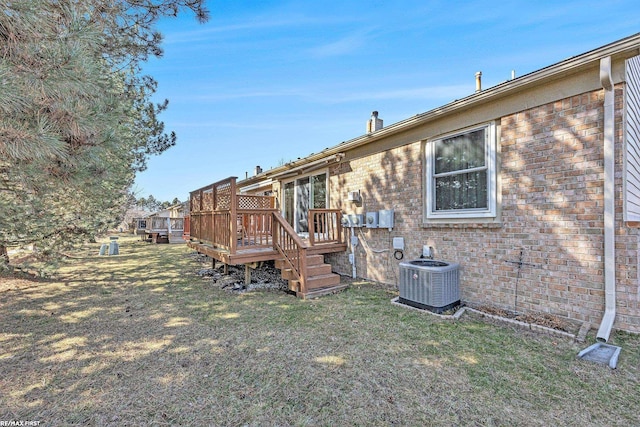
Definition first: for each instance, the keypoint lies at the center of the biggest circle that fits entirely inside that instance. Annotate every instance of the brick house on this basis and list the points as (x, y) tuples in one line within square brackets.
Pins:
[(542, 169)]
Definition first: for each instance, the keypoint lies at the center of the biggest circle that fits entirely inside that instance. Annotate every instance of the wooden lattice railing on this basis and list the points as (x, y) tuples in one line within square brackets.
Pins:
[(210, 214), (213, 207)]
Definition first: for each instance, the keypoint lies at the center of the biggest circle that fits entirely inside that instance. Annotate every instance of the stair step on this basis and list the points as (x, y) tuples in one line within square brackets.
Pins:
[(319, 275), (288, 274), (314, 293), (318, 270), (320, 285), (322, 281), (315, 260), (313, 270), (311, 260)]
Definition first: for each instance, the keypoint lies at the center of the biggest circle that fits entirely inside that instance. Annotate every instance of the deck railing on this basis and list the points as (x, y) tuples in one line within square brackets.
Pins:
[(230, 221), (255, 228), (325, 226), (226, 220), (177, 224), (159, 223)]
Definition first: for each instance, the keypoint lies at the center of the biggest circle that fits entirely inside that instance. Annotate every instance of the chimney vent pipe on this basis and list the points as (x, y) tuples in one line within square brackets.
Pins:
[(374, 123), (478, 81)]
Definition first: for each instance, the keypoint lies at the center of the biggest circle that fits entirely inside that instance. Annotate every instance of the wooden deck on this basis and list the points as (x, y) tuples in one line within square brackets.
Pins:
[(160, 229), (249, 254), (242, 229)]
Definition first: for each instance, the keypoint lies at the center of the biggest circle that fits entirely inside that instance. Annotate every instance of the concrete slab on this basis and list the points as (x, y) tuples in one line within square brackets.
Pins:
[(605, 354)]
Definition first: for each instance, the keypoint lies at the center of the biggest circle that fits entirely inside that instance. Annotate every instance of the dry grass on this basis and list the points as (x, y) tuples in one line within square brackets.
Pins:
[(139, 338)]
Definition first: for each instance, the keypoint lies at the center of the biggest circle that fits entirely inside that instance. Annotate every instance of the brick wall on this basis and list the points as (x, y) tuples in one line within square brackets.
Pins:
[(551, 211)]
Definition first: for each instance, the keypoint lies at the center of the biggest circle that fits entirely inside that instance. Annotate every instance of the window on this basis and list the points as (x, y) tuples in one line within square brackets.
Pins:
[(461, 174)]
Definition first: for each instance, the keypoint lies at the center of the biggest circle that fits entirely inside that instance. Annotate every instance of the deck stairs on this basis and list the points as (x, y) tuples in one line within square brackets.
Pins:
[(319, 278)]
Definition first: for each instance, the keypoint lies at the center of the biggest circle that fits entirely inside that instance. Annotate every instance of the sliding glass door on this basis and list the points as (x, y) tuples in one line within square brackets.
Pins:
[(302, 194)]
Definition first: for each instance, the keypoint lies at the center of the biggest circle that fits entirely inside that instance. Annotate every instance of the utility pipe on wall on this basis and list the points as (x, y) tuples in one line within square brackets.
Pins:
[(609, 203)]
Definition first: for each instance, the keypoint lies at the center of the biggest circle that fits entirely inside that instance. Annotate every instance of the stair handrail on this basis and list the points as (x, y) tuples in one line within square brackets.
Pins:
[(292, 248)]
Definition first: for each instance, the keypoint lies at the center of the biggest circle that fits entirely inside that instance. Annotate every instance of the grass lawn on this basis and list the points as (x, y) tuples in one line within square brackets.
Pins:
[(140, 339)]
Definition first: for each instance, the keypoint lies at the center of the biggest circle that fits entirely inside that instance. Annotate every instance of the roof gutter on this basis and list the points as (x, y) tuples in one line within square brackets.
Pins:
[(609, 203), (255, 185), (293, 168)]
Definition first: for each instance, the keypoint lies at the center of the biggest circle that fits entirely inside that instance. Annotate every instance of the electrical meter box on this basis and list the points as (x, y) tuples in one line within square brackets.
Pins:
[(385, 218), (372, 220), (353, 220)]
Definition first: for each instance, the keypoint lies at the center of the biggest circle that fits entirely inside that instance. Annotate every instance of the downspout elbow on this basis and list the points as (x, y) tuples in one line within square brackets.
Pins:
[(606, 325)]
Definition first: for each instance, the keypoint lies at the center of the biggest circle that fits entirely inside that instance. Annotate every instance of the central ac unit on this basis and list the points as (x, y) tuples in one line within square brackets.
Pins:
[(429, 284)]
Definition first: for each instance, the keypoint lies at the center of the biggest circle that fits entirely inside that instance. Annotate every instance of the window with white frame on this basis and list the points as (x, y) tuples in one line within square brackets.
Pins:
[(461, 174)]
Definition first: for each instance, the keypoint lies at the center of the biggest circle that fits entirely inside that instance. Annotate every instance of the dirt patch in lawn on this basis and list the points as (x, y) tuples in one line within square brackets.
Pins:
[(264, 277)]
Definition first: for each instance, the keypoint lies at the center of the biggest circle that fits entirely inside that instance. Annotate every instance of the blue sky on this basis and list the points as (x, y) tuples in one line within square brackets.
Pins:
[(265, 82)]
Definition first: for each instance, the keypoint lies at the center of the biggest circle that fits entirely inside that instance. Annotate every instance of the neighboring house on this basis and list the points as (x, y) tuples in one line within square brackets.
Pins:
[(127, 223), (184, 211), (164, 226), (139, 225), (532, 186)]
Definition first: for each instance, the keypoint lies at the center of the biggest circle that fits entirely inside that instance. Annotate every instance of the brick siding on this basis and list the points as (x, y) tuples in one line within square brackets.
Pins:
[(551, 209)]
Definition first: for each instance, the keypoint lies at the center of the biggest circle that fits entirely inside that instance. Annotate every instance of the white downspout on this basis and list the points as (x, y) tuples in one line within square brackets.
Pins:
[(609, 203), (352, 255)]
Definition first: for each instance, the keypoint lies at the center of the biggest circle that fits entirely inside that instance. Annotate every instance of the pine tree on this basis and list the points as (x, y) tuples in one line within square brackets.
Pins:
[(76, 121)]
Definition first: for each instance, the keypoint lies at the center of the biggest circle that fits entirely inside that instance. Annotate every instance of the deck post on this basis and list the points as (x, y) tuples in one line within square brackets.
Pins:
[(302, 253), (214, 206), (200, 203), (311, 220), (233, 213), (225, 270), (247, 275)]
